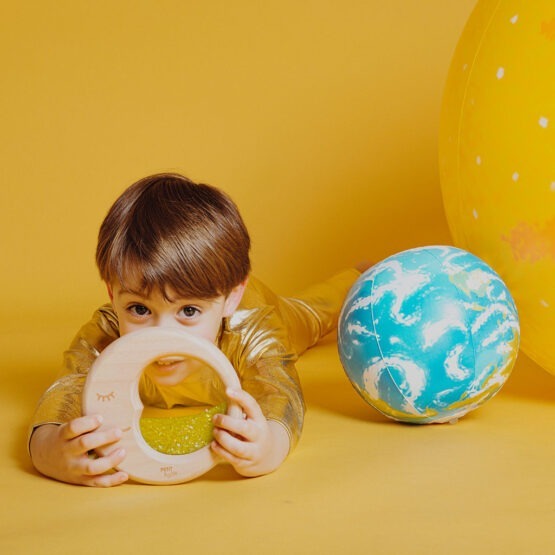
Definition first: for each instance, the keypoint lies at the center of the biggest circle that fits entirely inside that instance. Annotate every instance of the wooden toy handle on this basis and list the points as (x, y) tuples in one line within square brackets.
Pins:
[(112, 389)]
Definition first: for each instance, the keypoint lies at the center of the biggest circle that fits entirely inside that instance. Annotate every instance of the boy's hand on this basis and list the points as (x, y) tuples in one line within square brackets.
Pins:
[(62, 452), (252, 444)]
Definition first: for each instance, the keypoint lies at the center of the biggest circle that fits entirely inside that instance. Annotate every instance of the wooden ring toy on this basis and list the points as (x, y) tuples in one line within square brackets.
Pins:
[(112, 390)]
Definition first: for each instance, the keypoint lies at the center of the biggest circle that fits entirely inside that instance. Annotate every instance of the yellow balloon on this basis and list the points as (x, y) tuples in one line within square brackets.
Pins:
[(497, 156)]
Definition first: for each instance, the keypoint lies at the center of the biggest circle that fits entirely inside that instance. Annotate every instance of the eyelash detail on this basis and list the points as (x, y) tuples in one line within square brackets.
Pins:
[(106, 397)]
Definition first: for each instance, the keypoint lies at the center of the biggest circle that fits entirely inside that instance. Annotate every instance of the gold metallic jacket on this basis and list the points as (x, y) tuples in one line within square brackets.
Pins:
[(262, 340)]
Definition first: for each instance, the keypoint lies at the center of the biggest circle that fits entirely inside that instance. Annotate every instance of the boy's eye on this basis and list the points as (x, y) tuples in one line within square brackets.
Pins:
[(189, 311), (139, 310)]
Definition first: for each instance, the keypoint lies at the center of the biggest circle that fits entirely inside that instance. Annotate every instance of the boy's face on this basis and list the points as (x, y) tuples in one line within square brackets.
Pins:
[(199, 317)]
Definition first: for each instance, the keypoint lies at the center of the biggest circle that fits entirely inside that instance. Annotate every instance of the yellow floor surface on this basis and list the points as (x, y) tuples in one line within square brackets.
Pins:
[(357, 483)]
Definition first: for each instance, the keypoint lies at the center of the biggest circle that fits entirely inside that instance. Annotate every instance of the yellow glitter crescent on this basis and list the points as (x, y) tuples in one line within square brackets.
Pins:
[(180, 435)]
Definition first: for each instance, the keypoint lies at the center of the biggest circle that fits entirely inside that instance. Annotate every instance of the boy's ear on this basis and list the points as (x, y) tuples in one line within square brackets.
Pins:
[(234, 298), (110, 291)]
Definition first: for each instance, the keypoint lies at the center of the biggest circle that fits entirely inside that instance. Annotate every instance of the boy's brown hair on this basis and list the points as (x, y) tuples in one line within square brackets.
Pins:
[(167, 233)]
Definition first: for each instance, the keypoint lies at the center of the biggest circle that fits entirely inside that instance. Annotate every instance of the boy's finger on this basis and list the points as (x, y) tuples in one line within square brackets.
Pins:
[(101, 465), (224, 454), (79, 426), (94, 440), (232, 445), (247, 402), (235, 426)]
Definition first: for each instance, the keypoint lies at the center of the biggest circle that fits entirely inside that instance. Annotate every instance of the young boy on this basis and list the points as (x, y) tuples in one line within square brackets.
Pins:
[(174, 253)]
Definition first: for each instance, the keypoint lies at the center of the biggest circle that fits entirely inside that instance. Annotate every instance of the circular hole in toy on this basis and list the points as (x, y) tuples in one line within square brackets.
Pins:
[(177, 418)]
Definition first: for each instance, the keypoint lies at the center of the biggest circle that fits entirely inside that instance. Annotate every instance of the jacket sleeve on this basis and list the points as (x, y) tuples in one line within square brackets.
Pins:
[(314, 312)]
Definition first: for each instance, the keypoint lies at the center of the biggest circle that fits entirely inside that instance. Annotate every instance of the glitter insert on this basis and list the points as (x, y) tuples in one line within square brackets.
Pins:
[(180, 435)]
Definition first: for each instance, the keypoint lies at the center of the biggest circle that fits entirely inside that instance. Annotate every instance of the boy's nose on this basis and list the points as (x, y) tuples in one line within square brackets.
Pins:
[(167, 322)]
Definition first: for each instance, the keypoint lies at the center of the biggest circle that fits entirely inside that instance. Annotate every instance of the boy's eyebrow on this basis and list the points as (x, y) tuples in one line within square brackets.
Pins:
[(187, 300), (122, 290), (128, 293)]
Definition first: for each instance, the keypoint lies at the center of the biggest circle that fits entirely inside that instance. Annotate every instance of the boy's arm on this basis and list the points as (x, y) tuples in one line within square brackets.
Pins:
[(263, 340), (273, 413), (274, 383), (59, 437), (257, 345)]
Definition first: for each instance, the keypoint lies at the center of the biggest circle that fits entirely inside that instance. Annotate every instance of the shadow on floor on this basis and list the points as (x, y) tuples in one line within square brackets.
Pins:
[(339, 397)]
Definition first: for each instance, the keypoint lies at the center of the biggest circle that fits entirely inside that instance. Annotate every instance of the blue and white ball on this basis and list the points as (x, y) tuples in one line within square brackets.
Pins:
[(428, 334)]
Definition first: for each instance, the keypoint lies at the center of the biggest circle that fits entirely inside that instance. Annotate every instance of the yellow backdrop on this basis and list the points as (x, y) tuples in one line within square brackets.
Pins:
[(319, 118)]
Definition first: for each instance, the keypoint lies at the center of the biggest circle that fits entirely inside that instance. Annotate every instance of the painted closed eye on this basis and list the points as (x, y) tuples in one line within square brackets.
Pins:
[(106, 397)]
